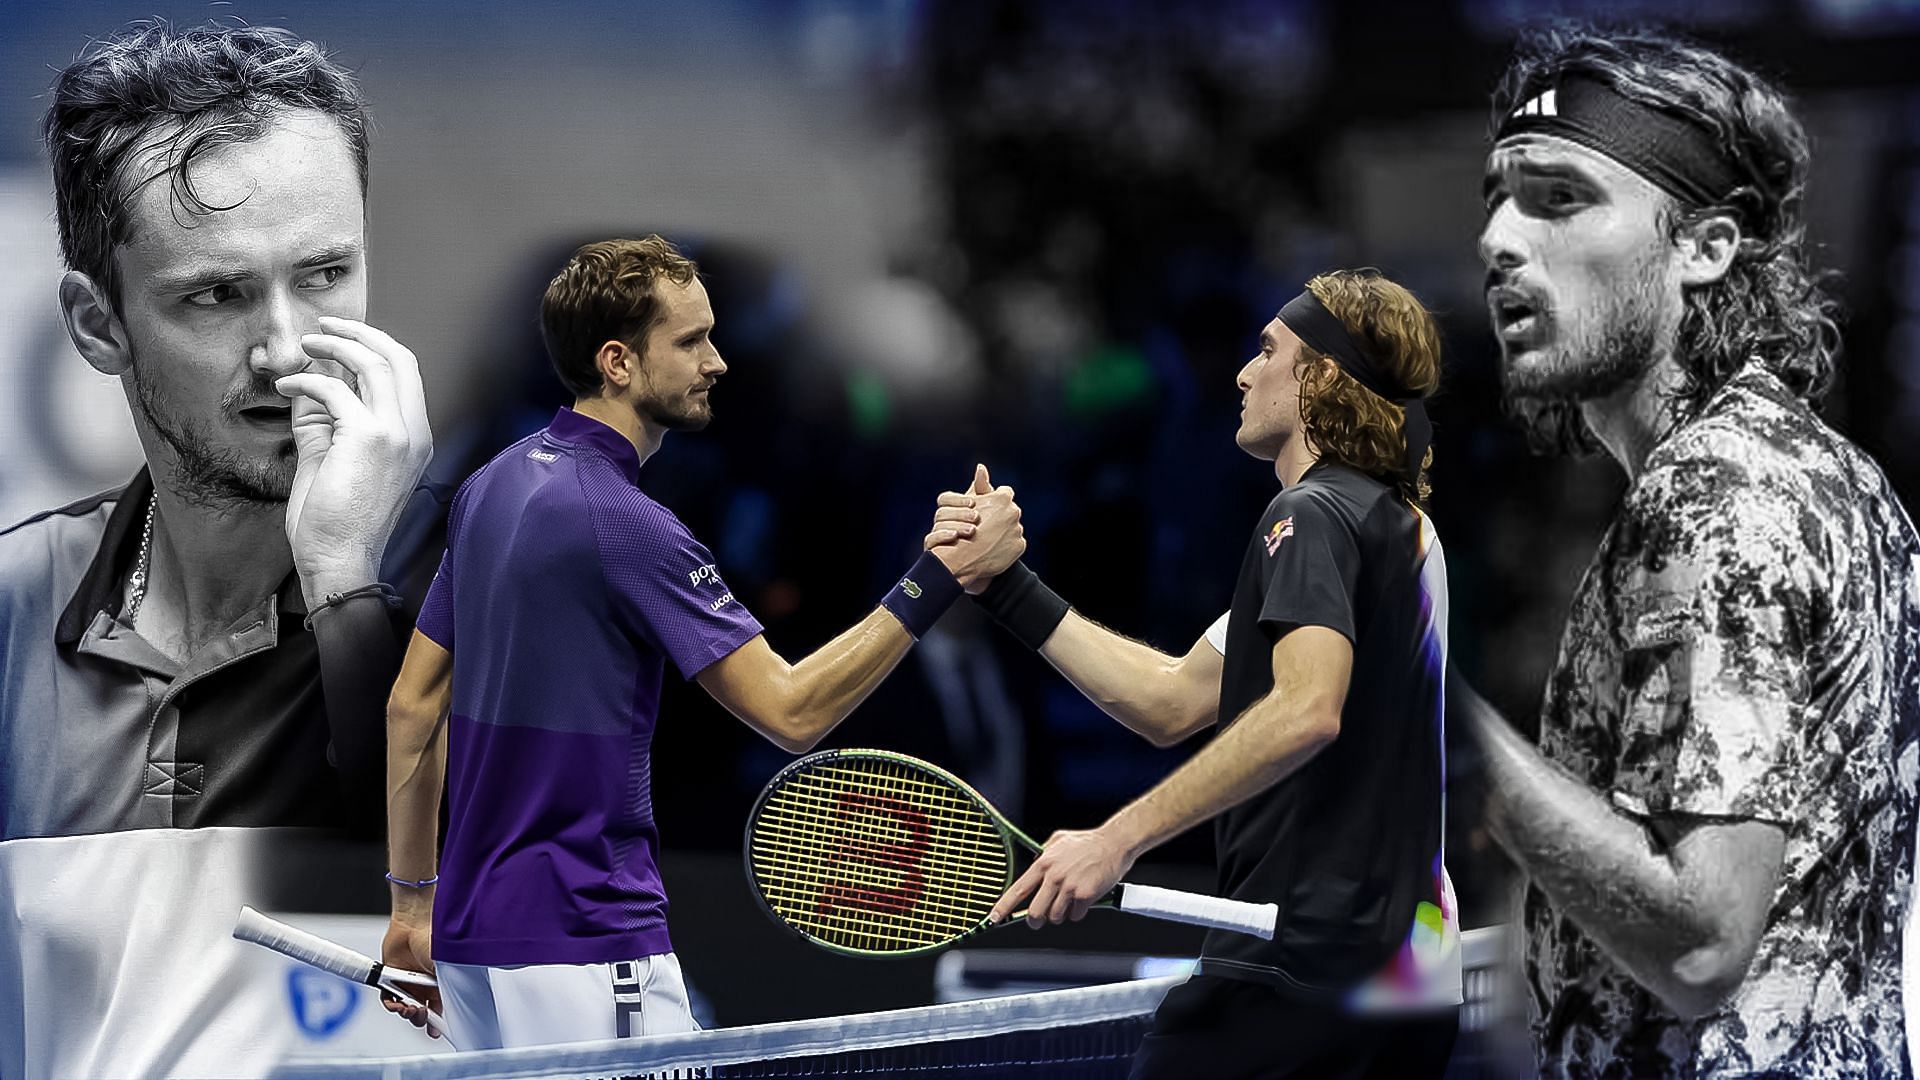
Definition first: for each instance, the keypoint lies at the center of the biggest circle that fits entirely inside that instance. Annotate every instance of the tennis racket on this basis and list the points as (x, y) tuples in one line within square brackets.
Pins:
[(335, 959), (872, 853)]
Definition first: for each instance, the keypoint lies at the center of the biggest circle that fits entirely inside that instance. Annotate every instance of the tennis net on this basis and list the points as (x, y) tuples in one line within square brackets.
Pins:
[(1083, 1034)]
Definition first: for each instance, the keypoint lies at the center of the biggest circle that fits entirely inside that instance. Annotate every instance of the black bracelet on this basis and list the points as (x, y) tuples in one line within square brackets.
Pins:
[(1019, 601), (378, 588), (924, 595)]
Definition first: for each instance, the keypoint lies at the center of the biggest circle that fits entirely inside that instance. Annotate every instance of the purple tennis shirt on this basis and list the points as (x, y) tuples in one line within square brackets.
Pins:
[(563, 592)]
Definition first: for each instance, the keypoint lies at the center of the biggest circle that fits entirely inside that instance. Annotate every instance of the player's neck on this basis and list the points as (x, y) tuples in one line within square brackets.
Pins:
[(1631, 421), (208, 563), (1294, 459), (625, 419)]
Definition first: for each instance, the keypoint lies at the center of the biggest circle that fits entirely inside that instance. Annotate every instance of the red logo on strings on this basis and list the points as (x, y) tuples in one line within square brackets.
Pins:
[(901, 850)]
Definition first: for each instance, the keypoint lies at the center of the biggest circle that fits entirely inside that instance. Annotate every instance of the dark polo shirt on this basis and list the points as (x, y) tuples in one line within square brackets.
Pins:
[(269, 723)]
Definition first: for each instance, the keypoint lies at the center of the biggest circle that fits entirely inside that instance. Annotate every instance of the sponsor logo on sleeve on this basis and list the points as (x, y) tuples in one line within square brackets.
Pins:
[(709, 574), (544, 457), (1281, 530)]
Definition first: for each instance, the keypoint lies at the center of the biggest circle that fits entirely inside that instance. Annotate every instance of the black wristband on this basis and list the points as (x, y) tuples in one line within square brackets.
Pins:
[(924, 595), (1019, 601), (379, 588)]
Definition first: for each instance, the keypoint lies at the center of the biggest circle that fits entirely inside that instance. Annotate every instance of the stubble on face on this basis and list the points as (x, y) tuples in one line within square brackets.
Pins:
[(206, 470), (674, 410), (673, 377), (1576, 243), (1613, 349), (290, 222)]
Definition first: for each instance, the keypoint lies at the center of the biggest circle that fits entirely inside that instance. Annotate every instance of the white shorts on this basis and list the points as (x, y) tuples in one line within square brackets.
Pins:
[(490, 1008)]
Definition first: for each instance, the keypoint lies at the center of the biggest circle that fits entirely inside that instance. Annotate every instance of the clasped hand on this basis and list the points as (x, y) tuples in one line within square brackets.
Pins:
[(360, 455), (977, 533)]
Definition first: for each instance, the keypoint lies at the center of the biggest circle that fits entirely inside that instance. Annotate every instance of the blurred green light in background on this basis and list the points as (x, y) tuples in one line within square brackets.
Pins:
[(868, 404), (1112, 378)]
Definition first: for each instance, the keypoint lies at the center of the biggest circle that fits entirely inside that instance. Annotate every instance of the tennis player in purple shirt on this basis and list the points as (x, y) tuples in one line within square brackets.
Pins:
[(532, 685)]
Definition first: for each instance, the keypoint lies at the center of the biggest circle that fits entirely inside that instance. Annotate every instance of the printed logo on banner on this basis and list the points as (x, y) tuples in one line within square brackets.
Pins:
[(322, 1003)]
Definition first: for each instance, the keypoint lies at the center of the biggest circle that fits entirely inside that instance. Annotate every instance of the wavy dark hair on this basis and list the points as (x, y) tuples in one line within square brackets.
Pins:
[(175, 94), (1347, 422), (606, 292), (1771, 308)]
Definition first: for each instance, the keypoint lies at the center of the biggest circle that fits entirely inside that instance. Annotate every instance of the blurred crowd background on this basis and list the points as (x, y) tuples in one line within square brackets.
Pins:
[(1039, 235)]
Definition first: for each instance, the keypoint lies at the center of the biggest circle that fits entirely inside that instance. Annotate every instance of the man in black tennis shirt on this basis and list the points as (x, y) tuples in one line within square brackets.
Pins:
[(1326, 773), (1716, 817)]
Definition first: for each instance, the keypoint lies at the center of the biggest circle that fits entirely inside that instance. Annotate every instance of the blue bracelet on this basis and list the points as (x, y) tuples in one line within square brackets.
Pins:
[(923, 595), (421, 884)]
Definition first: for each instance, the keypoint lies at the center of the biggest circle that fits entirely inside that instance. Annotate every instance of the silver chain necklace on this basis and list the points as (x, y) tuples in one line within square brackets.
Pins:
[(137, 581)]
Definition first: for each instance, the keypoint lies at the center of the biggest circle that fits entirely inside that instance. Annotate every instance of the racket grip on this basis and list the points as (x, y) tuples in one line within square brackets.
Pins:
[(305, 947), (1213, 911)]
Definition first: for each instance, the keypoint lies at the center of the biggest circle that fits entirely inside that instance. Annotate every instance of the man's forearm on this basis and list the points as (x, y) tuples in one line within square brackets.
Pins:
[(1596, 865), (1132, 682), (834, 679), (359, 655), (1268, 743), (416, 772)]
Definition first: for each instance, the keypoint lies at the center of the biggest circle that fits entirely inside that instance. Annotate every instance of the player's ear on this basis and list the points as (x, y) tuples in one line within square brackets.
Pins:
[(1706, 247), (616, 363), (96, 331)]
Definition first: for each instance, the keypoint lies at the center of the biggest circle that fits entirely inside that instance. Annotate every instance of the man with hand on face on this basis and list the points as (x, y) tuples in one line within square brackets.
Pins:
[(211, 645), (1717, 822), (532, 686), (1326, 774), (192, 649)]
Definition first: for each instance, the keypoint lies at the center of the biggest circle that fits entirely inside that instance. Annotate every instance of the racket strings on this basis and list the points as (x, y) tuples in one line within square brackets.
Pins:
[(980, 849), (877, 855), (867, 850), (830, 906), (827, 882), (817, 872)]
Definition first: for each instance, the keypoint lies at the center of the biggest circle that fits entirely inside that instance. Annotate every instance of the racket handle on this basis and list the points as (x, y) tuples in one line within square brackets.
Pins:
[(1213, 911), (307, 948)]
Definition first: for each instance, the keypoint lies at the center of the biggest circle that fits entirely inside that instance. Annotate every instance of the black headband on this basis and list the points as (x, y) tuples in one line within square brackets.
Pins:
[(1324, 333), (1674, 153)]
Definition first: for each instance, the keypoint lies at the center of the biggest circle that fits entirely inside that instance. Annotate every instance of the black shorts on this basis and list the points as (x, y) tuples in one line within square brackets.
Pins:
[(1228, 1028)]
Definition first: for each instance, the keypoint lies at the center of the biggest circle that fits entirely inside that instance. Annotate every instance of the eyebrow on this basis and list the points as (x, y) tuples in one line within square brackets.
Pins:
[(332, 253), (193, 281), (1533, 167), (203, 278)]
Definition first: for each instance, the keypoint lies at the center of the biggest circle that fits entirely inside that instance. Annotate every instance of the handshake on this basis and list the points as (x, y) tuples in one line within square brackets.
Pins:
[(976, 534)]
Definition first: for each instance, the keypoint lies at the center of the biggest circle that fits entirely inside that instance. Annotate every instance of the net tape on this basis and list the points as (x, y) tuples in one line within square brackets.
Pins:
[(682, 1054)]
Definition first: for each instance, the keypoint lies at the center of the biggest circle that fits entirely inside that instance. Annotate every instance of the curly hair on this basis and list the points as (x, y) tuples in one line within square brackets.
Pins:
[(1347, 422), (1770, 308), (165, 96), (605, 293)]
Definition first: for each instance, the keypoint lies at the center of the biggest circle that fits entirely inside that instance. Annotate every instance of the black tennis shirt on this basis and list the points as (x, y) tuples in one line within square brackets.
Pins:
[(1350, 844)]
